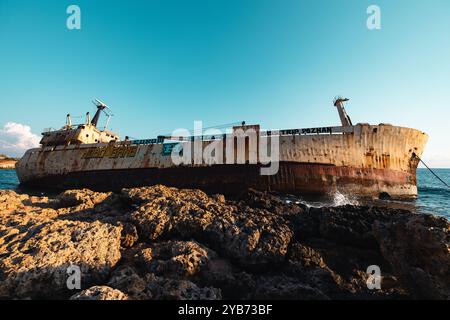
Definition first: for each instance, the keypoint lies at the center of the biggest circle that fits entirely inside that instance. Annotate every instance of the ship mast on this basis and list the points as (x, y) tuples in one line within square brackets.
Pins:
[(339, 104), (68, 121), (100, 107)]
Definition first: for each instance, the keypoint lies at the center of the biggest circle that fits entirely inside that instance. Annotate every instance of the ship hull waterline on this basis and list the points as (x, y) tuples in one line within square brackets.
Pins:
[(292, 178)]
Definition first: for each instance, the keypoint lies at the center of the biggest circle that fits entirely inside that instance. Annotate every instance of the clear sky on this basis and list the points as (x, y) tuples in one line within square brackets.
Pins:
[(162, 64)]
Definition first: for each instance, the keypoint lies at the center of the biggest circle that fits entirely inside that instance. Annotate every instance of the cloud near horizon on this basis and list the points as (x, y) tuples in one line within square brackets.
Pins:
[(16, 138), (436, 160)]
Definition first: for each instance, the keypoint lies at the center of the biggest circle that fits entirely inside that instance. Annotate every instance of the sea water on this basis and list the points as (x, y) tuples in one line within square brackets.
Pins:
[(8, 179), (433, 197)]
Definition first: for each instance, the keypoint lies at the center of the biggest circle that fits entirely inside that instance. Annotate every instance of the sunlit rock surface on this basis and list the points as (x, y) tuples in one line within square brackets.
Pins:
[(164, 243)]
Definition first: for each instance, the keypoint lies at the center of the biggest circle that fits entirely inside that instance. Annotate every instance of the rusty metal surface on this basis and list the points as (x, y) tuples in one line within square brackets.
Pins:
[(368, 160), (294, 178)]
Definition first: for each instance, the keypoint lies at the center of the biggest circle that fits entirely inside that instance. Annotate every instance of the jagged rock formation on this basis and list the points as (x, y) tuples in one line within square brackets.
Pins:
[(164, 243)]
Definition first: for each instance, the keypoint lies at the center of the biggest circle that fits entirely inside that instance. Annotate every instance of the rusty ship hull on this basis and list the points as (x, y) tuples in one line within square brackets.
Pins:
[(362, 160)]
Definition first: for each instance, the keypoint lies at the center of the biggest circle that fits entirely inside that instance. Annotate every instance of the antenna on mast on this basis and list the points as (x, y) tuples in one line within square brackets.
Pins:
[(101, 107)]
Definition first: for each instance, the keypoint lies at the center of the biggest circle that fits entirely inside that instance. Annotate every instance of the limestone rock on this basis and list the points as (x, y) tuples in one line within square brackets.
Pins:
[(234, 283), (253, 238), (418, 249), (100, 293), (305, 256), (127, 280), (10, 200), (72, 198), (162, 209), (36, 265), (129, 235), (347, 225), (285, 288), (165, 243), (174, 289), (175, 258)]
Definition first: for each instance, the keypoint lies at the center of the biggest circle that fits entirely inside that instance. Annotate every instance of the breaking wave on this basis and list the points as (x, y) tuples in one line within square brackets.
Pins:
[(332, 199), (340, 199)]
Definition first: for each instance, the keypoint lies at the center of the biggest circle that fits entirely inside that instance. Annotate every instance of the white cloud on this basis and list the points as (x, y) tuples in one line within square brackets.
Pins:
[(16, 138)]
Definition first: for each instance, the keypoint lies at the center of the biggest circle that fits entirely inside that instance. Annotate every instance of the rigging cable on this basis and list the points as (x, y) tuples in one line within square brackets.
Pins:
[(415, 155)]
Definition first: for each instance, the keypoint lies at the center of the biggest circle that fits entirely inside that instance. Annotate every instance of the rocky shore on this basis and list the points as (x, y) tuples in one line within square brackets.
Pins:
[(7, 163), (164, 243)]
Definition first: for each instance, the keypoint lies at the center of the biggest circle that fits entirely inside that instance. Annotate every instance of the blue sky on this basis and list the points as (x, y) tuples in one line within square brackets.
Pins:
[(160, 65)]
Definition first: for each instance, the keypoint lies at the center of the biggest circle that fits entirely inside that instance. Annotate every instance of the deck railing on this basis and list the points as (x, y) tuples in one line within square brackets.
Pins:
[(262, 133)]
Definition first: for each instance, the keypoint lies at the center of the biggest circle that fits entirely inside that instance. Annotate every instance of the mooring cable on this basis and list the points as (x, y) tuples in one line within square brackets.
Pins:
[(415, 155)]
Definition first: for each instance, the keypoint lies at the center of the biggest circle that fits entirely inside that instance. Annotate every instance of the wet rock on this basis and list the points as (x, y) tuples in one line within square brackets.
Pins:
[(270, 202), (418, 249), (340, 272), (99, 293), (348, 225)]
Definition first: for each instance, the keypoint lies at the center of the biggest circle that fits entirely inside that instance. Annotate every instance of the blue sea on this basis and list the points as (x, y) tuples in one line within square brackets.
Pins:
[(8, 179), (434, 196)]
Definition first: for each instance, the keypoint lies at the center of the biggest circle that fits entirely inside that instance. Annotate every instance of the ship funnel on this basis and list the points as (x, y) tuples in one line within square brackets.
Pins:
[(339, 104)]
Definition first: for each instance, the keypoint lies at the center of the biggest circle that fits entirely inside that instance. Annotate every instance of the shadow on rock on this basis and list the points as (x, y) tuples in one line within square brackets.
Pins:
[(164, 243)]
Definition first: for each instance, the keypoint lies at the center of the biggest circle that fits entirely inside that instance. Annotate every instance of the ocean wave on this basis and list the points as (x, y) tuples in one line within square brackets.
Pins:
[(332, 199), (341, 199), (434, 190)]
